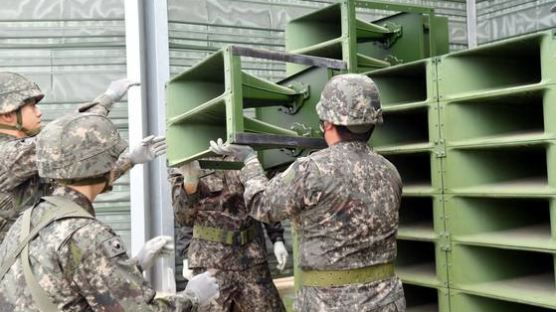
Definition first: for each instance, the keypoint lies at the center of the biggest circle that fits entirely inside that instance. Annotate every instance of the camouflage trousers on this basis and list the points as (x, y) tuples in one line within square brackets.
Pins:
[(251, 290), (381, 296)]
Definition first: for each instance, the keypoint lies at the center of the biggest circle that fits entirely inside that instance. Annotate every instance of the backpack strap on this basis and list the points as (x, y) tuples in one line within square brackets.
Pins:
[(64, 208)]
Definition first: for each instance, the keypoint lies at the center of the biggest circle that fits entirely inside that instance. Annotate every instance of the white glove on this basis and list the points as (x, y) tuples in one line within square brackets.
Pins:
[(118, 88), (203, 287), (191, 173), (281, 255), (150, 147), (186, 272), (158, 246), (240, 152)]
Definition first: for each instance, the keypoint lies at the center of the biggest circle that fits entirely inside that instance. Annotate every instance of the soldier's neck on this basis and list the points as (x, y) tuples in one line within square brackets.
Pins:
[(90, 191), (14, 133), (332, 137)]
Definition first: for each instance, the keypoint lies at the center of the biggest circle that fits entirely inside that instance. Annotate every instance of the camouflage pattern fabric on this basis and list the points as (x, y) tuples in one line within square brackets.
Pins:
[(20, 185), (250, 290), (83, 266), (244, 276), (219, 203), (350, 100), (65, 147), (343, 201), (15, 90)]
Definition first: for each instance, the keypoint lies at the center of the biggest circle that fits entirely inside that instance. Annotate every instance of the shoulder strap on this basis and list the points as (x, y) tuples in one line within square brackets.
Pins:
[(64, 208), (40, 296)]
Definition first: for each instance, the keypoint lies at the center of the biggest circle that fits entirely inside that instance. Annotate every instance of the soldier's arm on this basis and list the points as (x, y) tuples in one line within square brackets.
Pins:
[(97, 266), (17, 163), (184, 235), (282, 197), (184, 204), (275, 231), (121, 167), (102, 105)]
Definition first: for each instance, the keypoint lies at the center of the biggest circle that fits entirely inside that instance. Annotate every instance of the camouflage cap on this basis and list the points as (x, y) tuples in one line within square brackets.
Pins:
[(78, 146), (15, 90), (350, 100)]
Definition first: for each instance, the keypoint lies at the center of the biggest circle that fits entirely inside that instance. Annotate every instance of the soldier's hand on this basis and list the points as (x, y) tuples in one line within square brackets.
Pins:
[(150, 148), (118, 88), (158, 246), (191, 173), (281, 254), (240, 152), (204, 287), (186, 272)]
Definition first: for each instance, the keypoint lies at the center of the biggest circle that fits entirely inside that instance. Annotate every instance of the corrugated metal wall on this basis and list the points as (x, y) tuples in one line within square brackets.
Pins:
[(498, 19), (72, 49)]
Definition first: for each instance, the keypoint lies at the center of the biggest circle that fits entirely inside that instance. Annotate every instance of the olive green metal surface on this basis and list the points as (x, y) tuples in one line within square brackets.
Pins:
[(336, 32), (486, 117)]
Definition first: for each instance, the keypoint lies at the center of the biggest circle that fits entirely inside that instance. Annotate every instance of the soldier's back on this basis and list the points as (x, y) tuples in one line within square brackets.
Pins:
[(354, 221), (351, 226)]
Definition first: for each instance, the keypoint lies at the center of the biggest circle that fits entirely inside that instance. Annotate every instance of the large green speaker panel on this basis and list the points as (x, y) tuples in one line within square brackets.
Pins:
[(409, 138), (208, 101), (497, 105), (472, 134), (336, 32)]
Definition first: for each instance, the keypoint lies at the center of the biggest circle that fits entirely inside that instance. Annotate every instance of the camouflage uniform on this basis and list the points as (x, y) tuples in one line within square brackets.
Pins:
[(80, 263), (343, 202), (20, 185), (244, 277)]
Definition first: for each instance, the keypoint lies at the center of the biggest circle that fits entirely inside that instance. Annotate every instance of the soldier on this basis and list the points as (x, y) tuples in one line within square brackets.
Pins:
[(225, 238), (20, 120), (343, 202), (58, 256)]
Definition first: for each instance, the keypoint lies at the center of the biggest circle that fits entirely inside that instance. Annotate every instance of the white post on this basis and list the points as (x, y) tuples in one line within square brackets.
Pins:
[(471, 24), (148, 62)]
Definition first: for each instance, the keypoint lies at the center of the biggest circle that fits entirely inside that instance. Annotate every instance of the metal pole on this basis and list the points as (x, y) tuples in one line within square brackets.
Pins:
[(148, 62), (158, 67), (137, 122), (471, 23)]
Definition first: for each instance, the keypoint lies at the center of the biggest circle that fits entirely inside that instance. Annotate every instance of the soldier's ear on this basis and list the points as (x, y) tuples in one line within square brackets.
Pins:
[(328, 125), (9, 118)]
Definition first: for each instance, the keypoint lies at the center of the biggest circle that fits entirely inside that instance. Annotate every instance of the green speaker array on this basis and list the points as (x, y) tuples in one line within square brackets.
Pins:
[(207, 102), (410, 139), (498, 108), (473, 135), (335, 32)]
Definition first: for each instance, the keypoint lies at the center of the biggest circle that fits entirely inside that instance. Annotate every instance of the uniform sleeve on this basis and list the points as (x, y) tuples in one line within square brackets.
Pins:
[(184, 235), (275, 231), (121, 167), (102, 105), (182, 203), (18, 163), (98, 267), (285, 196)]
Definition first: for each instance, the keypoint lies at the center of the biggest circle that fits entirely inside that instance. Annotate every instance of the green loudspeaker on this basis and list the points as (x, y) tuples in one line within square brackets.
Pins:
[(207, 102), (335, 32)]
